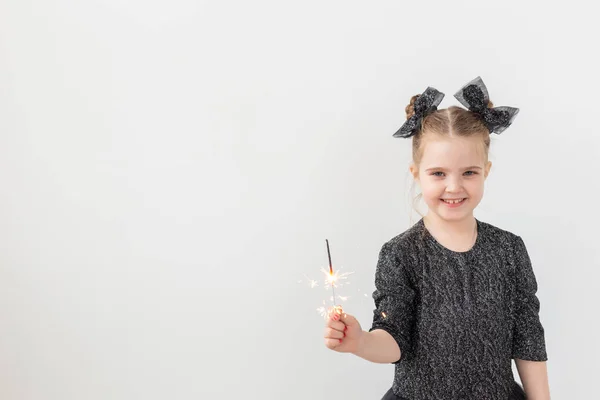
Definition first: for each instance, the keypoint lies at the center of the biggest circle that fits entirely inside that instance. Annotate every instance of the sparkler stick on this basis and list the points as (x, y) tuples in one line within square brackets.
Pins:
[(331, 276)]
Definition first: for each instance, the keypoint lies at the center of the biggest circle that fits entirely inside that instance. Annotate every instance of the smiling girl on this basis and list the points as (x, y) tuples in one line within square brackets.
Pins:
[(455, 297)]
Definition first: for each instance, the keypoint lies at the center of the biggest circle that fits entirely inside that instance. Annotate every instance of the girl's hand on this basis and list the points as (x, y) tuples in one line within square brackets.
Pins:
[(342, 331)]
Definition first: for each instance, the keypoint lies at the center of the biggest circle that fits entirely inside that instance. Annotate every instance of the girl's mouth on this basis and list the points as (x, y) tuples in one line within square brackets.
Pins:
[(453, 202)]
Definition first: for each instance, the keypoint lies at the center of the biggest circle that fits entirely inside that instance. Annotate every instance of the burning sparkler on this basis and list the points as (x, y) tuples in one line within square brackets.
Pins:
[(333, 279)]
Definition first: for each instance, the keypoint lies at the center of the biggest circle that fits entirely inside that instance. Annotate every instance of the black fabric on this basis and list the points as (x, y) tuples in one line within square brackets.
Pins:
[(459, 318), (517, 394)]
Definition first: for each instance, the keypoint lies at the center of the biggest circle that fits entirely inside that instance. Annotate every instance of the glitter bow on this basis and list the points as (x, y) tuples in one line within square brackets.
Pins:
[(424, 105), (474, 96)]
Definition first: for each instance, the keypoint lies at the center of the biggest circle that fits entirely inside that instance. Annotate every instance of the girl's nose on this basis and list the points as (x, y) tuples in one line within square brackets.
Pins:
[(453, 186)]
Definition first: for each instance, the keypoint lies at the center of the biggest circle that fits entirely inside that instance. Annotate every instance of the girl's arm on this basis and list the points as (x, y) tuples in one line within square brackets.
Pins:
[(390, 335), (534, 376), (378, 346), (529, 343)]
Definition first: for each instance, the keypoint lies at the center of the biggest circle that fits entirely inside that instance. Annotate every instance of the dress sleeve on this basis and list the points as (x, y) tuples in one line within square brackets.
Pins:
[(528, 334), (394, 300)]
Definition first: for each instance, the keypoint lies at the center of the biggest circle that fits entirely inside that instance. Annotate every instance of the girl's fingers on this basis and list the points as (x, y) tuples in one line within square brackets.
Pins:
[(335, 313), (335, 330), (334, 334), (337, 325)]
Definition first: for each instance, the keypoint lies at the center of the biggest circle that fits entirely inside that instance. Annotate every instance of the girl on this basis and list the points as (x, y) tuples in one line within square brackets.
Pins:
[(455, 297)]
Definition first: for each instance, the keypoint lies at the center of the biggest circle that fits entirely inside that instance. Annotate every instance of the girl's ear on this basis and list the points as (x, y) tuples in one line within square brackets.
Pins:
[(414, 171), (487, 167)]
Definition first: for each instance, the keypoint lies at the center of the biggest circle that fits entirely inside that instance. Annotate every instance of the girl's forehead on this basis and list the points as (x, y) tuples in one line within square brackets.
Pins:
[(453, 152)]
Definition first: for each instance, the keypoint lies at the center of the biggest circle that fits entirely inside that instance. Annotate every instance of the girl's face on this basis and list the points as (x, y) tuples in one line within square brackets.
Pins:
[(451, 175)]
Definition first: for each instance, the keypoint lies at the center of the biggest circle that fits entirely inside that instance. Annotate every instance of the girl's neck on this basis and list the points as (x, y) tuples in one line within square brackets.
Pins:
[(456, 235), (460, 227)]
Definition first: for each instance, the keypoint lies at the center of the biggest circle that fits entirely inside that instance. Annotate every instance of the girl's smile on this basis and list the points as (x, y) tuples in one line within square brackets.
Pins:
[(453, 203)]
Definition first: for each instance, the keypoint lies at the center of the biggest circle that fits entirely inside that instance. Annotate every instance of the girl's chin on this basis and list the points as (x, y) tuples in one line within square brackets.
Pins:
[(457, 212)]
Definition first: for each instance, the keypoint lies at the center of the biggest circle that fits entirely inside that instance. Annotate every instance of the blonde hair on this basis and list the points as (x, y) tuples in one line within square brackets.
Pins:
[(452, 121)]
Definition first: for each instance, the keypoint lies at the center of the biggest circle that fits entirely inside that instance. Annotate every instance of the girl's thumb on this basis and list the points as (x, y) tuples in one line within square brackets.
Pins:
[(348, 319)]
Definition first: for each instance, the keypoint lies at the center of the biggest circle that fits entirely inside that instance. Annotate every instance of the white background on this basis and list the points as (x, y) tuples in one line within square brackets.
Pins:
[(170, 172)]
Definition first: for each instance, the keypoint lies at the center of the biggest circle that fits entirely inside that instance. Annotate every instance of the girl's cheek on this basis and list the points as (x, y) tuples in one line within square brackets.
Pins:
[(432, 188)]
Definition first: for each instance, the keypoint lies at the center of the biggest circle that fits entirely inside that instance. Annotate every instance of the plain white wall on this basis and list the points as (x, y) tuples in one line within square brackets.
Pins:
[(170, 172)]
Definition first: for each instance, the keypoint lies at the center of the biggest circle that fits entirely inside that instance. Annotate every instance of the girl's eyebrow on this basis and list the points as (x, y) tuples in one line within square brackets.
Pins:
[(443, 169)]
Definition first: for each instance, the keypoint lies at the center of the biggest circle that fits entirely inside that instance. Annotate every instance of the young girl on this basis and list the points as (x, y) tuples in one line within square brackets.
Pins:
[(455, 297)]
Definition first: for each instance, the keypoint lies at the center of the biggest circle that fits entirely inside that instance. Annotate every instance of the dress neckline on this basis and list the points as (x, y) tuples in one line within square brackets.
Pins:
[(437, 244)]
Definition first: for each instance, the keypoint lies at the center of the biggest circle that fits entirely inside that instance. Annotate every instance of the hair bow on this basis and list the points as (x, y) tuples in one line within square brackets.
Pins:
[(424, 105), (474, 96)]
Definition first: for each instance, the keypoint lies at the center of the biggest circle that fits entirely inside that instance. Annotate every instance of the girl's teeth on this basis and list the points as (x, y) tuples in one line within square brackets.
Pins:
[(453, 201)]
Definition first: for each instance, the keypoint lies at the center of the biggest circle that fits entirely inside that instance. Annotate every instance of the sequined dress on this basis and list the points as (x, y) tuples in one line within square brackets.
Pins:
[(459, 318)]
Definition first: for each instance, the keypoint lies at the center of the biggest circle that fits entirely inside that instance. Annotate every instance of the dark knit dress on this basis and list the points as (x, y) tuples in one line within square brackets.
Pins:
[(458, 317)]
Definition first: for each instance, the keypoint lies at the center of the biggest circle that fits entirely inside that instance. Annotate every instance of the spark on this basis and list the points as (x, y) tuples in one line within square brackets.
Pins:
[(312, 283), (335, 279), (325, 311)]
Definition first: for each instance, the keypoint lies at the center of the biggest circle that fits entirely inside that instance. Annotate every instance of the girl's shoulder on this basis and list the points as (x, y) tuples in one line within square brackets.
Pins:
[(498, 236), (409, 237)]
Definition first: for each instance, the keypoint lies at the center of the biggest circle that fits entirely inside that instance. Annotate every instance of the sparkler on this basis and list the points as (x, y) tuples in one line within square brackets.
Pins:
[(335, 279), (332, 277)]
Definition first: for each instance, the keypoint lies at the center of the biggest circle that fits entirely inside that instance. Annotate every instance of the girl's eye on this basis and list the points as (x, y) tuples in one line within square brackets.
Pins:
[(438, 173), (471, 173)]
